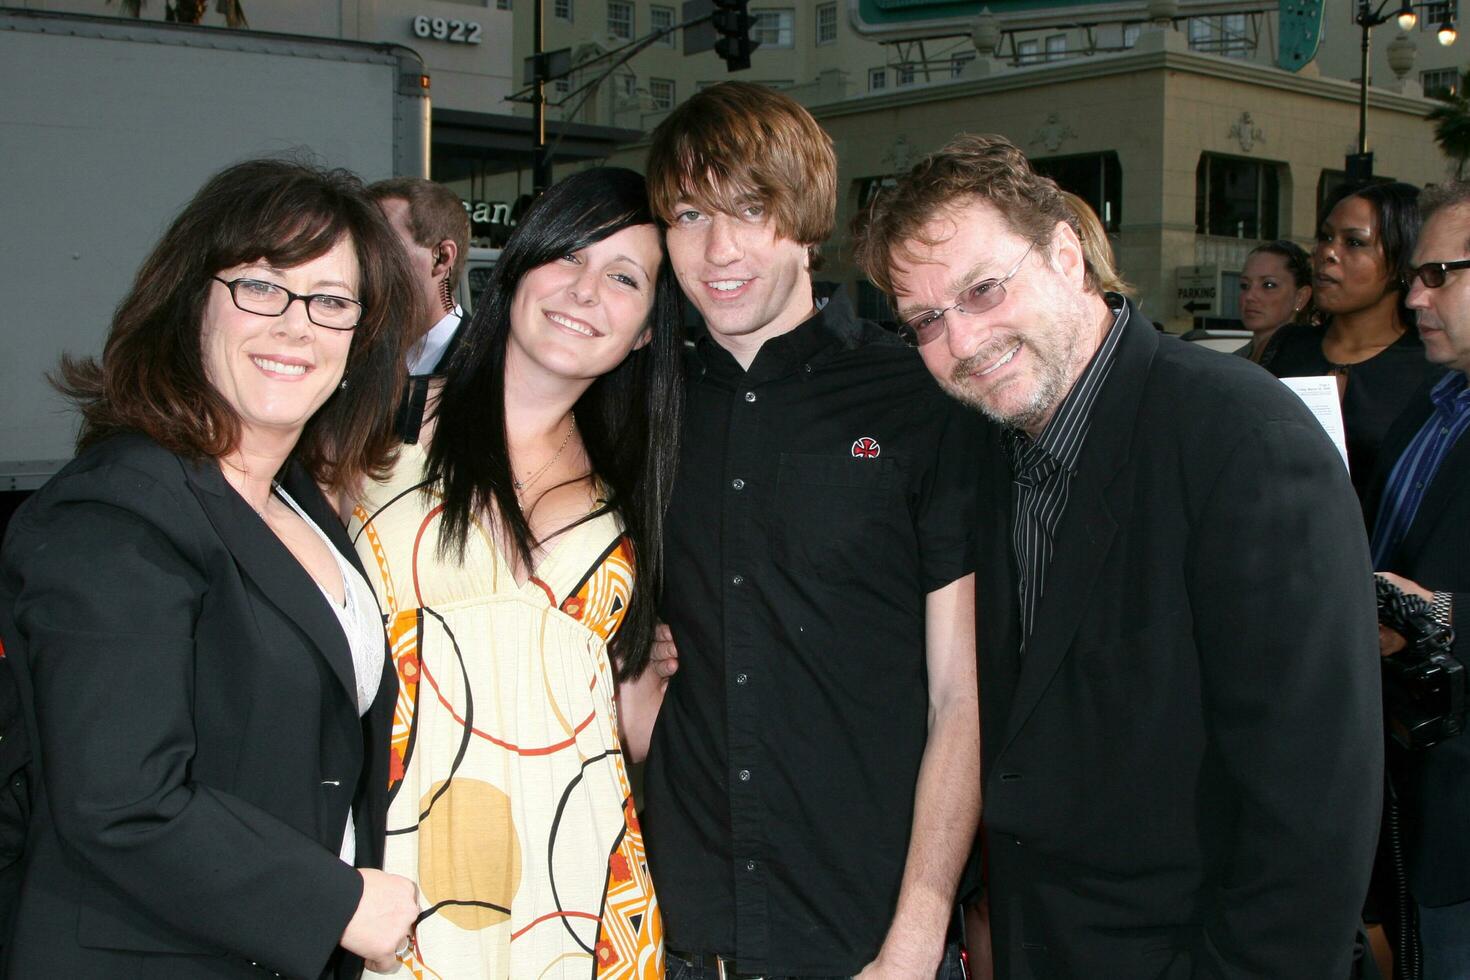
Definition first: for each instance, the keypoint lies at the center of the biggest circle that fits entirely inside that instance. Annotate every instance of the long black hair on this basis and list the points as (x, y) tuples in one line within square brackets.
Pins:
[(629, 418)]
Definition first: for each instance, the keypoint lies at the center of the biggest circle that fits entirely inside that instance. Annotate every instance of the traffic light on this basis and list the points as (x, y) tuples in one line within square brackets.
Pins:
[(732, 26)]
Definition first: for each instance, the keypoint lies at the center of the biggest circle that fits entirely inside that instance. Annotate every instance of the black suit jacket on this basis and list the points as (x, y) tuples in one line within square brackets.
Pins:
[(1182, 773), (191, 705), (1435, 553), (410, 416)]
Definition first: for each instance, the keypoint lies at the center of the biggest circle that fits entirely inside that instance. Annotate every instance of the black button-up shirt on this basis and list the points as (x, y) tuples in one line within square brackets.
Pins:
[(1041, 471), (821, 495)]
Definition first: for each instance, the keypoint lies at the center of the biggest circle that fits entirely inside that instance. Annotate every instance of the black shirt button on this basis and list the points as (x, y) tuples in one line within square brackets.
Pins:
[(750, 396), (737, 579), (740, 678), (749, 865), (738, 483), (744, 775)]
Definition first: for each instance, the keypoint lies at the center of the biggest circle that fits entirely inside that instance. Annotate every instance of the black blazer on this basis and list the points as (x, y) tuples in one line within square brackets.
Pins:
[(191, 705), (1436, 553), (1182, 773), (410, 415)]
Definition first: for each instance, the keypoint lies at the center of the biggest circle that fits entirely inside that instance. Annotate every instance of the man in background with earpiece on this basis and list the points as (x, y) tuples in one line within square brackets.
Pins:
[(434, 228)]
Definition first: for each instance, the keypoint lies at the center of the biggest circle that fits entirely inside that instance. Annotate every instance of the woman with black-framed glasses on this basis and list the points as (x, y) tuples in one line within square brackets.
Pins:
[(201, 663)]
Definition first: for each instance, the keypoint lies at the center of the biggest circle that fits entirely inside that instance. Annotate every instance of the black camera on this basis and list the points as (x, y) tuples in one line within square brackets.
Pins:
[(1424, 697)]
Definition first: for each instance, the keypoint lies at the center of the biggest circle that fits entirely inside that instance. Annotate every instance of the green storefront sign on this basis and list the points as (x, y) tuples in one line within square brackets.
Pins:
[(1300, 21)]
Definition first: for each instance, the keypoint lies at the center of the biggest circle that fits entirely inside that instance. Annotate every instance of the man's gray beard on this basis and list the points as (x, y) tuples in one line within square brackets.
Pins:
[(1053, 380)]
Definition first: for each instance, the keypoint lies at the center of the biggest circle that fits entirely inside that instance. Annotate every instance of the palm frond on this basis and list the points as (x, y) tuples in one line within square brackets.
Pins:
[(233, 11)]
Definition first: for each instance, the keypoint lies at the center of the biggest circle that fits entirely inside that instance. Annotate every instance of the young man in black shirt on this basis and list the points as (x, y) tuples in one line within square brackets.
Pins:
[(810, 789)]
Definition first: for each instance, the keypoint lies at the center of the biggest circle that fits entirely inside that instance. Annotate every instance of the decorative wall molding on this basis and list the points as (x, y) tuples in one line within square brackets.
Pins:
[(1245, 132), (1053, 133), (900, 156)]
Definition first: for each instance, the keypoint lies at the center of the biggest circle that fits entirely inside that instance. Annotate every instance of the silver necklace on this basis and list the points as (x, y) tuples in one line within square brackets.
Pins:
[(520, 484)]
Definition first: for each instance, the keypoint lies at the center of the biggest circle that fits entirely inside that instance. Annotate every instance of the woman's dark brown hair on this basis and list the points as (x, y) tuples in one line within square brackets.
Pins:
[(151, 377)]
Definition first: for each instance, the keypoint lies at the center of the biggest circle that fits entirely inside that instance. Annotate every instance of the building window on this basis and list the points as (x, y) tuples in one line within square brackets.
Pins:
[(877, 79), (773, 28), (1056, 47), (905, 74), (620, 19), (1028, 52), (1131, 33), (561, 9), (661, 93), (661, 19), (1433, 13), (1097, 178), (1332, 184), (1229, 297), (826, 23), (1222, 34), (1236, 198), (868, 189), (958, 62), (502, 5), (1441, 83), (627, 86)]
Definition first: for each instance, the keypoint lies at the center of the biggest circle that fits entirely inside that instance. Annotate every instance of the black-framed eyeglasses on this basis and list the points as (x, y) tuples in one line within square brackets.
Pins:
[(1433, 273), (985, 295), (268, 299)]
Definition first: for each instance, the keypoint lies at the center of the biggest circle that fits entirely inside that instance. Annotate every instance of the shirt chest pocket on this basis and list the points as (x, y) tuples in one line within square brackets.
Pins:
[(836, 515)]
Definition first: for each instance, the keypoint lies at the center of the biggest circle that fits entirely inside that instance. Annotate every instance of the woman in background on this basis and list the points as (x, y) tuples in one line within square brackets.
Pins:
[(200, 661), (1360, 268), (1275, 289), (518, 558)]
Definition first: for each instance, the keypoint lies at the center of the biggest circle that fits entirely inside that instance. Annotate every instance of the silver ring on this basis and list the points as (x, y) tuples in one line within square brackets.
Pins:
[(405, 947)]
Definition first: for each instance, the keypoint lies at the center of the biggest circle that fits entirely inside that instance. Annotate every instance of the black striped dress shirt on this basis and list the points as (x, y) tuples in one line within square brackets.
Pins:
[(1041, 472)]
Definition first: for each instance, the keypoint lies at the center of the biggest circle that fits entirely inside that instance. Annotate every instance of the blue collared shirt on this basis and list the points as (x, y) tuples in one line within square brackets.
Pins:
[(1416, 468)]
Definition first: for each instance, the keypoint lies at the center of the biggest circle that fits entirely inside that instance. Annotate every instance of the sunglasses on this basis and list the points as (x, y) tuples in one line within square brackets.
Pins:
[(1433, 273)]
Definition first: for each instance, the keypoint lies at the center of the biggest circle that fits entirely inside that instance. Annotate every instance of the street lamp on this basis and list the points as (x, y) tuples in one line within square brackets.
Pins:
[(1368, 19), (1447, 32), (1360, 164)]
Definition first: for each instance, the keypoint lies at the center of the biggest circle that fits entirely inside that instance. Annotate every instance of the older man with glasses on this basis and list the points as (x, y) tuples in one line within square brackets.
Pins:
[(1181, 727)]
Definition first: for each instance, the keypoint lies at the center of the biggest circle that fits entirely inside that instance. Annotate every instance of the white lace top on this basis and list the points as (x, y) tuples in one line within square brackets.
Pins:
[(362, 624)]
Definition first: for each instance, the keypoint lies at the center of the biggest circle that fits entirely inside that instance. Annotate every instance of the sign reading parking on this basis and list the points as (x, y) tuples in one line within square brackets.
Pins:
[(1197, 290)]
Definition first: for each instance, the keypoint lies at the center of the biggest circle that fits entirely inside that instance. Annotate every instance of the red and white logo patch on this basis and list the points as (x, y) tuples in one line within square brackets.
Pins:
[(866, 448)]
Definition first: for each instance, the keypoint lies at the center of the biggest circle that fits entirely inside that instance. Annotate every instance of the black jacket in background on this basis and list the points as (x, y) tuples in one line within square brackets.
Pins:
[(1436, 554)]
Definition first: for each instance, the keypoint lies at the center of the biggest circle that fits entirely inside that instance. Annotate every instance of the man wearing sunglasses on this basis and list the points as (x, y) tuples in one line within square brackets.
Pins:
[(1181, 725), (1421, 542)]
